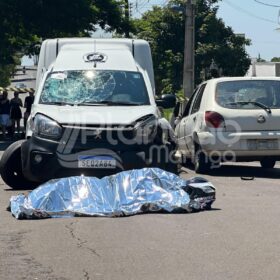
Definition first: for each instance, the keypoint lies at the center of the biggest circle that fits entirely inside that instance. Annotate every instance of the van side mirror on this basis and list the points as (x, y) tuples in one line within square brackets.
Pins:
[(166, 101)]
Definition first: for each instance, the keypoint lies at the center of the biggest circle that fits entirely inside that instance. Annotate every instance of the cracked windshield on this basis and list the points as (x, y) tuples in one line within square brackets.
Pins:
[(95, 87)]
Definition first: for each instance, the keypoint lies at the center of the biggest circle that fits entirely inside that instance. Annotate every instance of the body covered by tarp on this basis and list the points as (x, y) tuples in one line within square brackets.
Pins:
[(126, 193)]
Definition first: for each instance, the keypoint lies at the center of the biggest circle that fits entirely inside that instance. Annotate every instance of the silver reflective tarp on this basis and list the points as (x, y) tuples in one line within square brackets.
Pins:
[(126, 193)]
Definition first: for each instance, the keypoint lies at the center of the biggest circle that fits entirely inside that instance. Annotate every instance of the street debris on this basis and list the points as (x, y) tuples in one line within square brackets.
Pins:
[(247, 178), (122, 194)]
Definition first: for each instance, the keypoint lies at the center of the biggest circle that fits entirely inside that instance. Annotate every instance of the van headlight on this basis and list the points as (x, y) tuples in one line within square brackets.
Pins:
[(45, 127), (146, 129)]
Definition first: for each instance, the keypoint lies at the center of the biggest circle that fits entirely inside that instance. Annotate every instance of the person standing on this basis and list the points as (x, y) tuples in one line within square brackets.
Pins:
[(4, 113), (16, 114), (28, 104)]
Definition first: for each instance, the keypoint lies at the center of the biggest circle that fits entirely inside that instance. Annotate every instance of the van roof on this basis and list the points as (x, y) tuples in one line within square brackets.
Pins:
[(73, 58)]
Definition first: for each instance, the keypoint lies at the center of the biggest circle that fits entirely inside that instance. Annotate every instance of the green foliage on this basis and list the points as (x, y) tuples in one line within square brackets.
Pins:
[(23, 24), (275, 59), (167, 114), (164, 29), (6, 71)]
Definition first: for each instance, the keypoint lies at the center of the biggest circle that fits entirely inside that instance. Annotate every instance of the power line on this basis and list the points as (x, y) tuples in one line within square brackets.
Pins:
[(140, 5), (248, 12), (267, 4), (145, 5)]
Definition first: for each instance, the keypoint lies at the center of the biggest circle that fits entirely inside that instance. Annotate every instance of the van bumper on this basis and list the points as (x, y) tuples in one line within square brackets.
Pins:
[(58, 164)]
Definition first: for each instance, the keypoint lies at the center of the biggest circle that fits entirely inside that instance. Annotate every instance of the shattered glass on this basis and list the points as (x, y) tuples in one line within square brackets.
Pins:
[(122, 194), (94, 86)]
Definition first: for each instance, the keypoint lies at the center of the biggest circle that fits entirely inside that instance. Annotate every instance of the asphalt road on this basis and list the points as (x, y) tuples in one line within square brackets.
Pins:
[(238, 239)]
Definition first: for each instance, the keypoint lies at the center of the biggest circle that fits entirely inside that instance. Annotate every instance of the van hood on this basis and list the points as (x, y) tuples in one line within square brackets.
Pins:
[(90, 115)]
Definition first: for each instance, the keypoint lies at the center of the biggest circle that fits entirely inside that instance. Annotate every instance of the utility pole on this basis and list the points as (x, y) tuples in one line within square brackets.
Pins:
[(126, 14), (188, 78)]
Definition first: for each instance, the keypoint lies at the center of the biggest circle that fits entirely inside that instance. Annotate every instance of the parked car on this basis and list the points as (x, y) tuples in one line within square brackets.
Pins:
[(231, 119), (94, 113)]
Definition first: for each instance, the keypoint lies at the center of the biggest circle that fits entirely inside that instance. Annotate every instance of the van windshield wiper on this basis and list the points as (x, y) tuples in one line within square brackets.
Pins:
[(89, 104), (258, 104), (123, 103), (59, 103), (110, 103)]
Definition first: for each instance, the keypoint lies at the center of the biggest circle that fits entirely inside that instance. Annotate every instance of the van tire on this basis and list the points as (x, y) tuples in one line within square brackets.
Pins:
[(11, 168), (171, 167), (186, 162), (267, 163), (202, 163), (168, 164)]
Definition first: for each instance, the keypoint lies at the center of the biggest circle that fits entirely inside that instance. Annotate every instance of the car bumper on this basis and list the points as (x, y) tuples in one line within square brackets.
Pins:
[(241, 144)]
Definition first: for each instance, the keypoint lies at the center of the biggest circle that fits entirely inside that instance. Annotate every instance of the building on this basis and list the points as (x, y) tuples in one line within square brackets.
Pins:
[(264, 69)]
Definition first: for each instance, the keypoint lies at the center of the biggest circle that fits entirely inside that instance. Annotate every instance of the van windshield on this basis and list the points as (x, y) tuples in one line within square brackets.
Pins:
[(249, 94), (95, 87)]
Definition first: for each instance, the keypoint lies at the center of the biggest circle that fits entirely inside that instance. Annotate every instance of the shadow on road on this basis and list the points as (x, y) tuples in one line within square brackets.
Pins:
[(242, 170), (22, 80), (246, 171), (21, 190)]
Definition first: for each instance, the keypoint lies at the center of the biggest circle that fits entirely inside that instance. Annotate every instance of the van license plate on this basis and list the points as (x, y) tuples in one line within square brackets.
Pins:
[(98, 162), (262, 144)]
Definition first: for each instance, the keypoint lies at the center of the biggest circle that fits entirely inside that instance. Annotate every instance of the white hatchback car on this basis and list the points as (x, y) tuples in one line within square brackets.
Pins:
[(231, 119)]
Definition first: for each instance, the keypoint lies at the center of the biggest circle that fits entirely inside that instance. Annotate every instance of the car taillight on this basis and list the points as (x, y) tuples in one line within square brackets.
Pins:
[(214, 119)]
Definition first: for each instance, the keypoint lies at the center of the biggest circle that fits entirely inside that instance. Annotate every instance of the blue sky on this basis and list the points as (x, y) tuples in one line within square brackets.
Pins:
[(244, 16)]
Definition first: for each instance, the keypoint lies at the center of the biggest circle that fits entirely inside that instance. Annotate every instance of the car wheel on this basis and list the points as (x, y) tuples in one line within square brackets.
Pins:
[(268, 163), (11, 169), (202, 163)]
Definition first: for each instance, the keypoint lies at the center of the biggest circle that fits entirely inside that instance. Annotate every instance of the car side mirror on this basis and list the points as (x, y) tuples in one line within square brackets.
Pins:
[(166, 101)]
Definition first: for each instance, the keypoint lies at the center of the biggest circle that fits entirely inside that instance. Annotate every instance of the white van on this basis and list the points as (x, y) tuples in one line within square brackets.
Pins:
[(94, 113)]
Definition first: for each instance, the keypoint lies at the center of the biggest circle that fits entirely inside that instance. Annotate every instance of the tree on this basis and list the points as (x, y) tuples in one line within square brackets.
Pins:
[(275, 59), (164, 29), (23, 24)]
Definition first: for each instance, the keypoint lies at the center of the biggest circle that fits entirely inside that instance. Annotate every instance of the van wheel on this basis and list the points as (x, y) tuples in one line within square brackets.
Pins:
[(11, 169), (171, 167), (187, 162), (168, 164), (268, 163), (202, 163)]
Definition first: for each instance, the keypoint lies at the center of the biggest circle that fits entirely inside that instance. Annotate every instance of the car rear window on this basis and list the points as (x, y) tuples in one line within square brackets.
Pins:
[(247, 94)]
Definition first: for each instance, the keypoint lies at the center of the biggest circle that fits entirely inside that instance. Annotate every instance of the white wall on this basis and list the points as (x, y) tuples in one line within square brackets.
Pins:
[(263, 70)]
